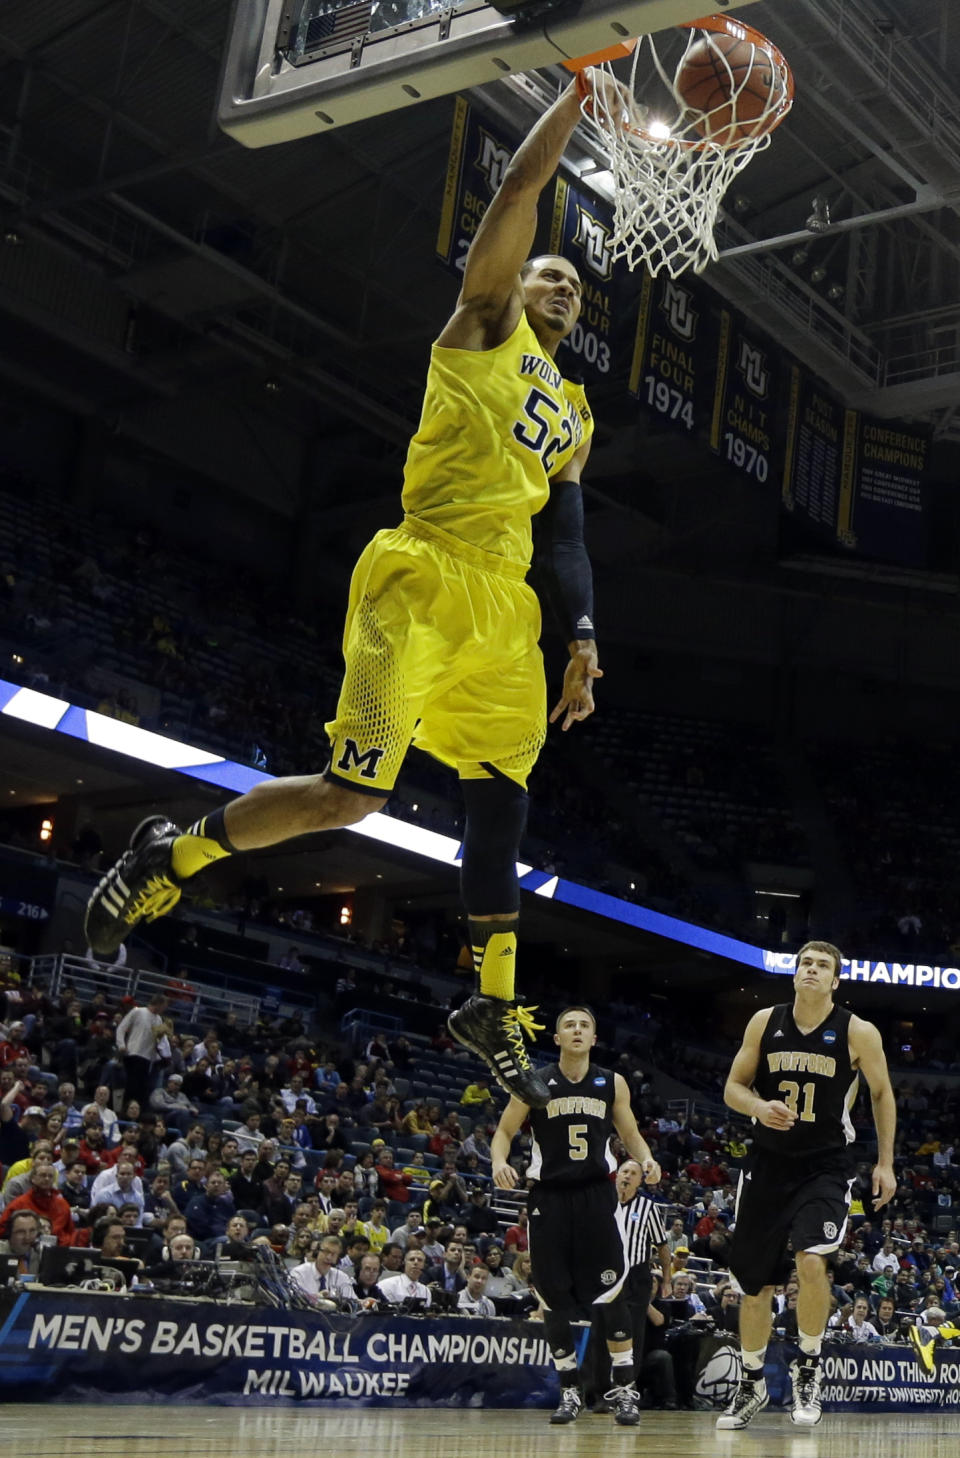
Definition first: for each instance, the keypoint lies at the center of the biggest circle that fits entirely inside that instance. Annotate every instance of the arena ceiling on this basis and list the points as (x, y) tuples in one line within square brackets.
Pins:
[(311, 264), (166, 282)]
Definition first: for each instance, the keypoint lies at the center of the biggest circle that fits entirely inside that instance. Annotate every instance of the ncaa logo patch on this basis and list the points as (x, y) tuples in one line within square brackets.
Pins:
[(829, 1230), (830, 1036), (608, 1277), (599, 1082)]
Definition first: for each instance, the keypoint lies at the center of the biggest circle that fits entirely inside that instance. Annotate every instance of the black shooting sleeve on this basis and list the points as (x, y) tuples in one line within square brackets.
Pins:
[(562, 566)]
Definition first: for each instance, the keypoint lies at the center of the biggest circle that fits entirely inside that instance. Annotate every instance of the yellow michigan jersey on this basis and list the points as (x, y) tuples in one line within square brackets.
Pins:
[(441, 643), (496, 425)]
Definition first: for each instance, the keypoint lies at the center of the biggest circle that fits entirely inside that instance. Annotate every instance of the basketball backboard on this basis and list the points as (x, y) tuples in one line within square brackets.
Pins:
[(295, 67)]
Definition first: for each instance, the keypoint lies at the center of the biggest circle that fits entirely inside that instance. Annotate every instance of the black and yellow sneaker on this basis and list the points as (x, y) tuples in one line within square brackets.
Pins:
[(140, 887), (494, 1030)]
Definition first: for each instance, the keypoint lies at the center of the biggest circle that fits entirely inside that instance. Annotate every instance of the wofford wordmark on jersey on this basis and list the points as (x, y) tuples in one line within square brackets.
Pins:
[(802, 1063)]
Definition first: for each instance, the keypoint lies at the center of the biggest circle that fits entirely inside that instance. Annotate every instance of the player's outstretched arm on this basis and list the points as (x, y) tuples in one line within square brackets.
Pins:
[(506, 233), (738, 1093), (513, 1116), (866, 1050), (626, 1126)]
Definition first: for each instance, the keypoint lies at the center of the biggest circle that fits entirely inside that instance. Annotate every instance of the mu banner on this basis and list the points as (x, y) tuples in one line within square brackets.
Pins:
[(580, 231), (479, 154), (673, 366), (744, 398)]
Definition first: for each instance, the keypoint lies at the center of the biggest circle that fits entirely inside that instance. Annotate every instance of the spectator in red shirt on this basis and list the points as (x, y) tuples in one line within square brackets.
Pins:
[(91, 1151), (13, 1047), (707, 1174), (446, 1135), (126, 1149), (43, 1198), (516, 1240), (393, 1182)]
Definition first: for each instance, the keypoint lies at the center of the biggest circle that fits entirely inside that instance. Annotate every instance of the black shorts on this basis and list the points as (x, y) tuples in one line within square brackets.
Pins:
[(576, 1249), (788, 1205)]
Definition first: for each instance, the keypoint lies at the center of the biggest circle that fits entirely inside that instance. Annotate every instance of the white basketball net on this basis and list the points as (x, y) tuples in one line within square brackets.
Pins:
[(669, 176)]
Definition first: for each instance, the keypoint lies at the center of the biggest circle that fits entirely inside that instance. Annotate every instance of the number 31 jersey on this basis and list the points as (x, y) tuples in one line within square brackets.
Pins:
[(812, 1074), (571, 1136), (496, 425)]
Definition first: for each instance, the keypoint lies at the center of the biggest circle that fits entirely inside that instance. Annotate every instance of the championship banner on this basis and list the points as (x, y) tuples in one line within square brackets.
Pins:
[(580, 231), (816, 468), (882, 511), (744, 398), (63, 1347), (672, 372), (479, 153)]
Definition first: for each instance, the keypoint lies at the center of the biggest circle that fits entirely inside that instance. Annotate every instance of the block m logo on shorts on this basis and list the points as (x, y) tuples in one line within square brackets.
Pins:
[(367, 763)]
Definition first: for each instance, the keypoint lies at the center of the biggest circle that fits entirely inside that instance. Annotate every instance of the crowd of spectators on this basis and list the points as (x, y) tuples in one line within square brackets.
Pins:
[(159, 1147)]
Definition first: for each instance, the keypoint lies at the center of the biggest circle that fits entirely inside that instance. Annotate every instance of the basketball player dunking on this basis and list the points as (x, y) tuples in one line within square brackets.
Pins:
[(797, 1076), (576, 1246), (441, 638)]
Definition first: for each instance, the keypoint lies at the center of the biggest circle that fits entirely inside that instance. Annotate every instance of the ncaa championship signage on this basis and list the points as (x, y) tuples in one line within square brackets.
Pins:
[(74, 1348), (895, 974)]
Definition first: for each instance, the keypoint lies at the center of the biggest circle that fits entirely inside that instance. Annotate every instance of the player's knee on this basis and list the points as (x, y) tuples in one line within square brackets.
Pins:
[(331, 804), (810, 1266)]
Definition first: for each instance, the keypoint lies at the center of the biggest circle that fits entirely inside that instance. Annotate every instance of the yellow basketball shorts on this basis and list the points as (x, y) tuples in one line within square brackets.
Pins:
[(441, 650)]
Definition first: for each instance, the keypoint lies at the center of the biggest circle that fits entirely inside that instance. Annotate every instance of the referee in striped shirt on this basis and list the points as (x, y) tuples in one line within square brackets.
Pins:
[(643, 1231)]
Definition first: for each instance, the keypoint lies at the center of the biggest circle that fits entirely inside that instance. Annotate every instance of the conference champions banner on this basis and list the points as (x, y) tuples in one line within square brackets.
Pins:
[(479, 153), (580, 231), (64, 1348), (882, 497), (674, 364), (744, 399)]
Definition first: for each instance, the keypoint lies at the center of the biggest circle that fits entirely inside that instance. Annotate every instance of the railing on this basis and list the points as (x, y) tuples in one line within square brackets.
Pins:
[(194, 1002)]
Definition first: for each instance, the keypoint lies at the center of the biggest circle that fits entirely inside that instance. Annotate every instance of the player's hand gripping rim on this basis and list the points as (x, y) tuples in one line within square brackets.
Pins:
[(576, 700), (605, 99)]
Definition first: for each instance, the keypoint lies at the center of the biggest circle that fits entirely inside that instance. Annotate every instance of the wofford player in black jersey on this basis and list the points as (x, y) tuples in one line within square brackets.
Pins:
[(797, 1076), (576, 1248)]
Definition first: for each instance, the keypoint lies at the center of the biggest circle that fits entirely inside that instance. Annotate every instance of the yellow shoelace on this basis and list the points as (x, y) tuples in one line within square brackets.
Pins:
[(518, 1021), (159, 896)]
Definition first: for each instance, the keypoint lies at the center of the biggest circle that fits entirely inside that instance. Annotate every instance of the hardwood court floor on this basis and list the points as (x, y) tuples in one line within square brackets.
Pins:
[(165, 1431)]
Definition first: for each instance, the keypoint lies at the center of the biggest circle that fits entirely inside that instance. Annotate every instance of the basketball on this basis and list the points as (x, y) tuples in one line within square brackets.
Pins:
[(735, 84)]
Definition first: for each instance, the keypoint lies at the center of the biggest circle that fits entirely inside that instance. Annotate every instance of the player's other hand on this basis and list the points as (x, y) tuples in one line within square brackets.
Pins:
[(651, 1172), (775, 1115), (504, 1176), (576, 701), (884, 1185)]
